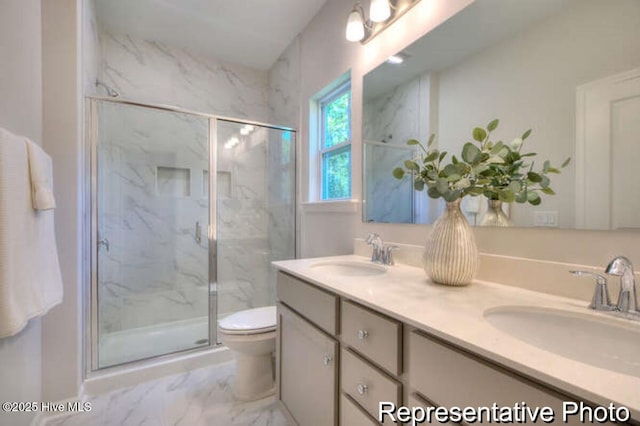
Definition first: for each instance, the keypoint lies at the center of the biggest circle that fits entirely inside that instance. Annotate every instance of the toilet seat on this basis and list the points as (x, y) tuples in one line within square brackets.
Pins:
[(250, 321)]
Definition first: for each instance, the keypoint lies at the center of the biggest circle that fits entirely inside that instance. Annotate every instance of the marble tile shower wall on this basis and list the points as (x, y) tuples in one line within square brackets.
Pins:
[(256, 219), (284, 87), (284, 109), (151, 195), (150, 71), (388, 200), (392, 116), (243, 261), (90, 47), (281, 199)]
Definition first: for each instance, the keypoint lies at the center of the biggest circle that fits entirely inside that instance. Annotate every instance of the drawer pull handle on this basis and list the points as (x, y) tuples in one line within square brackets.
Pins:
[(362, 389), (362, 334), (326, 360)]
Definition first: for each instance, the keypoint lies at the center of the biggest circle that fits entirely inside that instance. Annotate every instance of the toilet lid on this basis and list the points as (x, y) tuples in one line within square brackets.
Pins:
[(258, 320)]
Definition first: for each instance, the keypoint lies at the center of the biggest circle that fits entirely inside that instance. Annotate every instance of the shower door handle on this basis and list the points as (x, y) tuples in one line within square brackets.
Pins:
[(198, 233), (104, 242)]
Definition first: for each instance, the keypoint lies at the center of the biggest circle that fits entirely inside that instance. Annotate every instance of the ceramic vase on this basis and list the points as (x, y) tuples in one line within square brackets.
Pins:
[(451, 253), (494, 216)]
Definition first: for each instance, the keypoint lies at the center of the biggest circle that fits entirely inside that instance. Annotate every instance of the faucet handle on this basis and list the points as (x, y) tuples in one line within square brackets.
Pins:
[(627, 298), (387, 254), (601, 300), (375, 240)]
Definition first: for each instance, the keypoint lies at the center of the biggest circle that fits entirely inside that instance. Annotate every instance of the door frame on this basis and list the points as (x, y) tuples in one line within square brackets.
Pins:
[(593, 143)]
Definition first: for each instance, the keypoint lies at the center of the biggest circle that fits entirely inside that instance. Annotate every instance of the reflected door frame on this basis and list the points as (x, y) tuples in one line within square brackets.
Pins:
[(594, 104)]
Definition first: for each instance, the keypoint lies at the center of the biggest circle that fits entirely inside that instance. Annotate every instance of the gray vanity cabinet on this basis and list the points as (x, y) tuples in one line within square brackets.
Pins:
[(337, 360), (307, 352)]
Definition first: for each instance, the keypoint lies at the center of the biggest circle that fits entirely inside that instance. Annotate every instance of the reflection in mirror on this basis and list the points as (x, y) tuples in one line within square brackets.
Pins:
[(568, 69), (391, 200)]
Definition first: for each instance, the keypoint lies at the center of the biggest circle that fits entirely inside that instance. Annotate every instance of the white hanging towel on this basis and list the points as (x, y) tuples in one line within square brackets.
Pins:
[(30, 279), (41, 174)]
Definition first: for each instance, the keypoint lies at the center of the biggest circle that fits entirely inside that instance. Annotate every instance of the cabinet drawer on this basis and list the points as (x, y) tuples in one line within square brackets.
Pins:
[(450, 377), (415, 400), (352, 415), (366, 384), (375, 336), (317, 305)]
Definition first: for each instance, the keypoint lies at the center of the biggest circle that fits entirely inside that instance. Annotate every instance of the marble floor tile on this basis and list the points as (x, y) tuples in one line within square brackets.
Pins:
[(200, 397)]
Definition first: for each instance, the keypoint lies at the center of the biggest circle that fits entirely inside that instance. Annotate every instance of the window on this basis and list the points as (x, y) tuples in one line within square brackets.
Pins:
[(335, 143)]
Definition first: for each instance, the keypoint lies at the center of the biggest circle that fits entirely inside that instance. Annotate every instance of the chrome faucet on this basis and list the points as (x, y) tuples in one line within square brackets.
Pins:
[(381, 253), (601, 300), (375, 241), (627, 299)]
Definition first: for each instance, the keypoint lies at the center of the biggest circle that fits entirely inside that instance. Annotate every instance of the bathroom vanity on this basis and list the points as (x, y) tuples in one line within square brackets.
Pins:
[(352, 334)]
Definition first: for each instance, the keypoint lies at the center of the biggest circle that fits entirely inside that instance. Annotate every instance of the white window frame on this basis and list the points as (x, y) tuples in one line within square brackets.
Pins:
[(344, 87)]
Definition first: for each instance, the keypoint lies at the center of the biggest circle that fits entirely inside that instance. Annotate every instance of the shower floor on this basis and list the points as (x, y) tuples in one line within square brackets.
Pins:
[(145, 342)]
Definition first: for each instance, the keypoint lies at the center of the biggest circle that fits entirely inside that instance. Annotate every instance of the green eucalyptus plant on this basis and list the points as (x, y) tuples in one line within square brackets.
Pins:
[(496, 170), (450, 181)]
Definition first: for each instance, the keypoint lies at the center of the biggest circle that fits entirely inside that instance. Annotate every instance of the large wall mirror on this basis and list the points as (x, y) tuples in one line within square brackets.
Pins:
[(567, 69)]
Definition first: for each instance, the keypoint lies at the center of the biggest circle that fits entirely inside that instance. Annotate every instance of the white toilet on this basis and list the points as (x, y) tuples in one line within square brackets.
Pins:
[(251, 335)]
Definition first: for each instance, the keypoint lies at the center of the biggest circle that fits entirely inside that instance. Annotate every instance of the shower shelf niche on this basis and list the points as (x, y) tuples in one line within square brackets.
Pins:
[(173, 181)]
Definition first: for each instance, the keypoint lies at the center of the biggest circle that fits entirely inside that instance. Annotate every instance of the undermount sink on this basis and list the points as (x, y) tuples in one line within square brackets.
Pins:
[(601, 342), (349, 268)]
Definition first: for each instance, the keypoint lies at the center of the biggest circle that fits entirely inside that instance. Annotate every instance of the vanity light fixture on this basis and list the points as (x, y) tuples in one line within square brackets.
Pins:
[(380, 10), (382, 13)]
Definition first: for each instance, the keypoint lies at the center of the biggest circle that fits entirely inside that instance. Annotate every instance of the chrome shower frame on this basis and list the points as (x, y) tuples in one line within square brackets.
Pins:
[(90, 229)]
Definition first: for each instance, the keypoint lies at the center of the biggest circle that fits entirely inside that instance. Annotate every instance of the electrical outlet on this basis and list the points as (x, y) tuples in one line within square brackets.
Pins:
[(545, 218)]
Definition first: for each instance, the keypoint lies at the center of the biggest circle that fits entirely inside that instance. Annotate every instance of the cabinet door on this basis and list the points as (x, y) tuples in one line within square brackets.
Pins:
[(307, 370)]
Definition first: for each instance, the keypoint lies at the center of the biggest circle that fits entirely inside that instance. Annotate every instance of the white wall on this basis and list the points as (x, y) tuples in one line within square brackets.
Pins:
[(21, 113), (62, 112), (21, 68)]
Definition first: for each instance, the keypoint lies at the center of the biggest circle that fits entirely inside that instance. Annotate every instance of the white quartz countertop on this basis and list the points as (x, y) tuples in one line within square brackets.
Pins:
[(456, 315)]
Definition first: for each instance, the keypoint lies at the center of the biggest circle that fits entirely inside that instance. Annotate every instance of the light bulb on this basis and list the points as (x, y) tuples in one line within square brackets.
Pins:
[(231, 142), (355, 26), (379, 11), (395, 59)]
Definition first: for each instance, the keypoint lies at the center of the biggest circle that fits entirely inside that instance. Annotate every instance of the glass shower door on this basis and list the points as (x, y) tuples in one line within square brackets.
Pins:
[(255, 218), (152, 209)]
